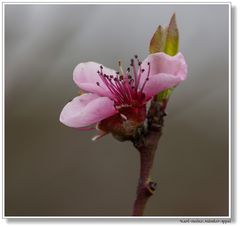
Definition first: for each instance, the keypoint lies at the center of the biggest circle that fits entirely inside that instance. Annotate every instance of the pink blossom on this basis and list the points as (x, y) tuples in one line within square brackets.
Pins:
[(111, 95)]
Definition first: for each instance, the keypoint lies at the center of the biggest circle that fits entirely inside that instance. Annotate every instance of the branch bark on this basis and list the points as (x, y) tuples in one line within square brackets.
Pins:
[(146, 141)]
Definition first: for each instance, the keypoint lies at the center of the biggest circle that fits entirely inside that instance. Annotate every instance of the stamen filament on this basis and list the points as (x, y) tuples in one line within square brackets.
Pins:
[(146, 78), (134, 71)]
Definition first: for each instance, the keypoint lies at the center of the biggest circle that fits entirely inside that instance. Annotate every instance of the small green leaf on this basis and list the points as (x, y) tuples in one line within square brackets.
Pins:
[(157, 43), (171, 43), (164, 94), (165, 39)]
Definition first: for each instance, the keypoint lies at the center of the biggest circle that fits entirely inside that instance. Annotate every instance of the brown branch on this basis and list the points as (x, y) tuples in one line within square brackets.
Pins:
[(146, 142)]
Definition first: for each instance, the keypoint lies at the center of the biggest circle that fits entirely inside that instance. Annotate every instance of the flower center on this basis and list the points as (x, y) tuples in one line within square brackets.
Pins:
[(126, 88)]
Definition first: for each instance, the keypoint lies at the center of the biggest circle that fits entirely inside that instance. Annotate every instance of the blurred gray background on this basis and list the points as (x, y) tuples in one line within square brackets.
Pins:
[(55, 170)]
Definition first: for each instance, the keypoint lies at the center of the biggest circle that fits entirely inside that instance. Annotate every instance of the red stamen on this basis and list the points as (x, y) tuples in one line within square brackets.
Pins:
[(125, 90), (146, 78)]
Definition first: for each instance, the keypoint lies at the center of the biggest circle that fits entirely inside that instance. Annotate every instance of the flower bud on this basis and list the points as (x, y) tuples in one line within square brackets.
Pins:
[(165, 40)]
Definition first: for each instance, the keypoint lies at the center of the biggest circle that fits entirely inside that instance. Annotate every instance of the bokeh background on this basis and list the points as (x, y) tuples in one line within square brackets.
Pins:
[(51, 169)]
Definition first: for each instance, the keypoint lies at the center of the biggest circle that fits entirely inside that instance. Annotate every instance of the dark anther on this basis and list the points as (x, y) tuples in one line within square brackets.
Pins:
[(129, 77), (136, 56), (117, 73), (98, 72), (111, 76), (121, 77), (128, 69), (147, 79), (139, 63), (98, 84), (143, 70), (115, 79), (148, 63), (132, 62), (101, 67)]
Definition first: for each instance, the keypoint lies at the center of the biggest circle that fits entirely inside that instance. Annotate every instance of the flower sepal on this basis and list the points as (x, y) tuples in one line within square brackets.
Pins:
[(124, 124)]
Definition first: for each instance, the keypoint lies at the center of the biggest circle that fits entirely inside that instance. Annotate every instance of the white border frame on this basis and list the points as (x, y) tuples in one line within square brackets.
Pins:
[(230, 100)]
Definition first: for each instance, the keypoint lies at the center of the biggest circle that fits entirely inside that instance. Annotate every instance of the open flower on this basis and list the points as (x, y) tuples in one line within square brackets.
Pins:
[(116, 101)]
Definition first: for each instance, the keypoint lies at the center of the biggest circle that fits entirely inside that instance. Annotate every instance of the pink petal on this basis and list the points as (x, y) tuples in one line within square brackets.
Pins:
[(160, 82), (89, 87), (87, 109), (86, 77), (163, 63)]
